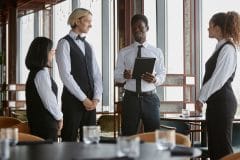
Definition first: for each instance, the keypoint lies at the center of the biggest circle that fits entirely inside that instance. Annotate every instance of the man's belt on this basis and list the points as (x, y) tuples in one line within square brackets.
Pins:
[(140, 94)]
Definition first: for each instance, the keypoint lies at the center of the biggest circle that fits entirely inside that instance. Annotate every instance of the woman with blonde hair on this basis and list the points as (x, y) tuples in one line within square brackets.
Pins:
[(216, 90), (80, 75)]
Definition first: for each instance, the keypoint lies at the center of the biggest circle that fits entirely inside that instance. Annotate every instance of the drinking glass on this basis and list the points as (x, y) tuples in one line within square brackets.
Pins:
[(165, 139), (128, 146), (11, 134), (4, 144), (91, 134), (4, 149), (185, 113)]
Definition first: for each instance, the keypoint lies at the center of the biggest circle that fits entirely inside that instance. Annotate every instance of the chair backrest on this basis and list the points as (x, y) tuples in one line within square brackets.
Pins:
[(233, 156), (181, 127), (150, 137), (182, 139), (24, 137), (6, 122), (22, 127), (108, 123), (235, 134)]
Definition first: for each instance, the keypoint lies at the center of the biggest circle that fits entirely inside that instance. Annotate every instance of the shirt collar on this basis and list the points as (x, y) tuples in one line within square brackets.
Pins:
[(74, 35), (45, 68), (145, 44), (220, 43)]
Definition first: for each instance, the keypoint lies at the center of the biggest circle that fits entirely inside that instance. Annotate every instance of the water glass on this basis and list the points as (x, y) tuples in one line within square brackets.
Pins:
[(91, 134), (165, 139), (128, 146), (11, 134), (185, 113), (4, 143), (4, 149)]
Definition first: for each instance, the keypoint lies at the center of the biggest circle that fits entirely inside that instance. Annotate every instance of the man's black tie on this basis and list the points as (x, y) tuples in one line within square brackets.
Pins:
[(80, 38), (138, 79)]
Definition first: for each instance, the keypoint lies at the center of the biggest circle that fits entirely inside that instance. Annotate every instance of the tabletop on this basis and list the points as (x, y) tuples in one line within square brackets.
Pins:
[(179, 117), (194, 121), (81, 151)]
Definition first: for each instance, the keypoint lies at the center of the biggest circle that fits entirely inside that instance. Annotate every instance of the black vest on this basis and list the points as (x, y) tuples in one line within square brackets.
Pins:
[(81, 66), (209, 69), (36, 112)]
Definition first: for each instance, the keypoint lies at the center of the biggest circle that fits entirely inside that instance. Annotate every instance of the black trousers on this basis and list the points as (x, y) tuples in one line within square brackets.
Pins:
[(75, 116), (135, 108), (44, 131), (219, 116)]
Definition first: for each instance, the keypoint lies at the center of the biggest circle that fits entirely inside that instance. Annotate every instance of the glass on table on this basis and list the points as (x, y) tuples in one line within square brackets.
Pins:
[(185, 113), (165, 139), (91, 134), (11, 134), (6, 136), (128, 146), (4, 149)]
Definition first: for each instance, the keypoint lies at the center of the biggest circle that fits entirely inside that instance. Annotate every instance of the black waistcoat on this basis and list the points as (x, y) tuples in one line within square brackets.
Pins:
[(209, 69), (36, 112), (81, 66)]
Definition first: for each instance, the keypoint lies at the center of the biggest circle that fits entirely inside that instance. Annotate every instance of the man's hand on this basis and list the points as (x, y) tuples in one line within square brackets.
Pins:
[(148, 77), (127, 74), (60, 124), (198, 106), (95, 102), (89, 105)]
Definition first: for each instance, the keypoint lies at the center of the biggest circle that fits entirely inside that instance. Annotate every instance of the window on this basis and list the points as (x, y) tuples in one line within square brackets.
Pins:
[(26, 24), (61, 12), (167, 32)]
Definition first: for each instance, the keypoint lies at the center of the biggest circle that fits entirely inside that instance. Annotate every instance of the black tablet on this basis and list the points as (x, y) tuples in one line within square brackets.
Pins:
[(143, 65)]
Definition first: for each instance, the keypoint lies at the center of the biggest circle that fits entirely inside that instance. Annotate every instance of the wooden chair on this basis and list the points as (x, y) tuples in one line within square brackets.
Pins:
[(108, 123), (6, 122), (22, 127), (150, 137), (233, 156), (24, 137)]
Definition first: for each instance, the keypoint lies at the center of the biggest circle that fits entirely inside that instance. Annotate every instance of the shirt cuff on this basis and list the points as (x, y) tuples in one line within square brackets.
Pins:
[(156, 82), (201, 100), (59, 116)]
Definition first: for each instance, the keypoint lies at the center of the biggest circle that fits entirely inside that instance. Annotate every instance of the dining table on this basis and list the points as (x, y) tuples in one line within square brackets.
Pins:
[(199, 120), (81, 151)]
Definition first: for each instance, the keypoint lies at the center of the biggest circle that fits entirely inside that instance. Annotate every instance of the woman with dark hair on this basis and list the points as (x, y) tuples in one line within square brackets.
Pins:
[(216, 90), (43, 112)]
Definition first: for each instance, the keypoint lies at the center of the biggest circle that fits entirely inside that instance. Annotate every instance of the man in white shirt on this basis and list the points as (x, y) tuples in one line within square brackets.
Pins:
[(80, 74), (140, 99)]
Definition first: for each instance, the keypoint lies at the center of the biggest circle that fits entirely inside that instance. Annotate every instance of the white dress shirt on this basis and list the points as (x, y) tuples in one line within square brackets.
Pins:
[(43, 85), (64, 66), (126, 59), (225, 66)]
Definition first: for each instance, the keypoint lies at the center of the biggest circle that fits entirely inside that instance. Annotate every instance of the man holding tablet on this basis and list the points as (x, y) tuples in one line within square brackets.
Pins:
[(140, 101)]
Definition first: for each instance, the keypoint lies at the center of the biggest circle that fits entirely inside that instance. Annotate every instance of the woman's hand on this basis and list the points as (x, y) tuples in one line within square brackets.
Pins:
[(60, 124), (198, 106)]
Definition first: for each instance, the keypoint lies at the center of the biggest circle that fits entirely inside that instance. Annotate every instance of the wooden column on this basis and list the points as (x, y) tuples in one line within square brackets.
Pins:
[(12, 41), (12, 49)]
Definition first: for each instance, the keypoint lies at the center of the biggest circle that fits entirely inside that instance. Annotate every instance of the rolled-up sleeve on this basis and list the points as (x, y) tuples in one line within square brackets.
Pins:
[(160, 69)]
